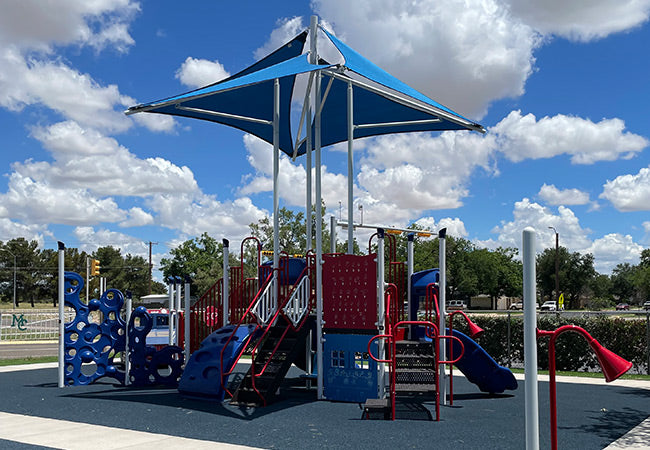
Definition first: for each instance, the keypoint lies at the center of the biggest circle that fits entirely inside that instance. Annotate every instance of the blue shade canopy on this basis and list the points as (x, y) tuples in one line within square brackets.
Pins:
[(382, 103), (245, 100)]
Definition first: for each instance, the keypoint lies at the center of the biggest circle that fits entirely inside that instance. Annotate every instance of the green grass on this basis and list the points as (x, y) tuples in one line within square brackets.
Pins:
[(19, 361), (633, 376)]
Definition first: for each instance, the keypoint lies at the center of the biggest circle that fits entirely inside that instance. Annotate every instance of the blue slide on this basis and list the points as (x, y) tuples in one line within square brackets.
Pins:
[(480, 368), (201, 375)]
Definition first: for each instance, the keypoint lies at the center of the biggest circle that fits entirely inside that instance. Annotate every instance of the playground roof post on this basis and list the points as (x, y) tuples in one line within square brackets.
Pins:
[(359, 100)]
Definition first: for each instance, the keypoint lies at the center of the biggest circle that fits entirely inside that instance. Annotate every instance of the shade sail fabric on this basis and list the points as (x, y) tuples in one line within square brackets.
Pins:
[(379, 98), (382, 103), (246, 95)]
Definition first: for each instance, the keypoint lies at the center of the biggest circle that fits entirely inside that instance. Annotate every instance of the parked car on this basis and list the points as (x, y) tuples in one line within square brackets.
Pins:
[(549, 306), (646, 305), (456, 304), (517, 305), (622, 307)]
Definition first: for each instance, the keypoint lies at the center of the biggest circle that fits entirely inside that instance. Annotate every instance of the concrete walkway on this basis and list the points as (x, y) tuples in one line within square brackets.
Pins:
[(82, 436)]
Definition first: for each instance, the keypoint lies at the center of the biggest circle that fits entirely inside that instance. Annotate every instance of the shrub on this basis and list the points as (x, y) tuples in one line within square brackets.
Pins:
[(625, 337)]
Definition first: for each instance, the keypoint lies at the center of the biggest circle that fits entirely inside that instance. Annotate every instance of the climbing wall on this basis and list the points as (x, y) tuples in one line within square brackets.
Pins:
[(94, 336), (148, 366), (350, 292)]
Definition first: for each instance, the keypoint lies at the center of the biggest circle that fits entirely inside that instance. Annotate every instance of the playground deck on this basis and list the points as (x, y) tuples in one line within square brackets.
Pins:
[(589, 416)]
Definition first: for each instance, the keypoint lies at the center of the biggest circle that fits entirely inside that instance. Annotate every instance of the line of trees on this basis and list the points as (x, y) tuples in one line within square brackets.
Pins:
[(37, 271), (471, 270)]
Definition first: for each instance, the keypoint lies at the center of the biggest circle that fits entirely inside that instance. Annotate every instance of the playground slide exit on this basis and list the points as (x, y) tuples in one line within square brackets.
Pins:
[(479, 367)]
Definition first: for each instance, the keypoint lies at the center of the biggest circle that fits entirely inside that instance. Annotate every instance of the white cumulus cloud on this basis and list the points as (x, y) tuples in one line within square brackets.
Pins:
[(554, 196), (196, 73), (522, 137), (629, 192)]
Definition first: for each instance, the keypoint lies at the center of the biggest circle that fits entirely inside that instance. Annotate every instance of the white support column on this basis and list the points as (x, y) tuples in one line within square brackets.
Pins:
[(350, 168), (61, 314), (313, 30), (276, 173), (226, 282), (381, 314), (87, 279), (530, 340), (442, 298), (332, 234), (125, 355), (308, 164), (170, 315), (177, 311), (186, 320)]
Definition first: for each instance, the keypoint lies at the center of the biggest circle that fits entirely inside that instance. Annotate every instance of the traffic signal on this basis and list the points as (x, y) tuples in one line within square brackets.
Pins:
[(94, 267)]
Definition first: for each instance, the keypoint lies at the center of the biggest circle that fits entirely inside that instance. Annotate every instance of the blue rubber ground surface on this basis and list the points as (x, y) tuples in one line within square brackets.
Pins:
[(590, 416)]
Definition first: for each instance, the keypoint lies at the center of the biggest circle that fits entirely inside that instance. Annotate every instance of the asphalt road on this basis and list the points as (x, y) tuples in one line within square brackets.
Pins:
[(27, 350)]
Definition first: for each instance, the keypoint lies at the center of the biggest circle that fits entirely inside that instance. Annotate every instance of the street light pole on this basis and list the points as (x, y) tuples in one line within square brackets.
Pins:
[(557, 267)]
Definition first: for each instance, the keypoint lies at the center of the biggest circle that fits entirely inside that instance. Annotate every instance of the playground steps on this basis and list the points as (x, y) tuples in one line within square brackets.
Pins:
[(415, 381), (414, 367), (267, 384)]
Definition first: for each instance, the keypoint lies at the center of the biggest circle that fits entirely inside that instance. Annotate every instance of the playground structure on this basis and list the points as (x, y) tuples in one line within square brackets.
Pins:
[(378, 347)]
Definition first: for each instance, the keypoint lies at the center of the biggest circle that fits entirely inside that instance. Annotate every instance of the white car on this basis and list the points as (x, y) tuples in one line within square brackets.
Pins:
[(456, 304), (549, 306)]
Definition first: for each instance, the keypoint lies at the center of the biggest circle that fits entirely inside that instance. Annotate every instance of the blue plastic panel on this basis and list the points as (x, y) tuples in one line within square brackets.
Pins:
[(349, 373)]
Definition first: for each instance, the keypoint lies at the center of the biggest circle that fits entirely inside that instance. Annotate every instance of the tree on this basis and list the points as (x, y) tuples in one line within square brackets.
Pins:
[(201, 259), (623, 282)]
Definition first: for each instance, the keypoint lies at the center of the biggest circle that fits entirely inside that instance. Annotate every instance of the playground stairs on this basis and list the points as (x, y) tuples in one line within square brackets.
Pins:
[(414, 383), (278, 350)]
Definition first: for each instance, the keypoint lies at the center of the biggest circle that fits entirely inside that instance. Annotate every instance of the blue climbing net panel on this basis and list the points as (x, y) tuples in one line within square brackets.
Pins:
[(148, 366), (94, 336)]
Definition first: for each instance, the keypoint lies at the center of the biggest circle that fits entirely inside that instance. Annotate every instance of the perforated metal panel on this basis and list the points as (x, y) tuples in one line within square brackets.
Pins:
[(350, 292)]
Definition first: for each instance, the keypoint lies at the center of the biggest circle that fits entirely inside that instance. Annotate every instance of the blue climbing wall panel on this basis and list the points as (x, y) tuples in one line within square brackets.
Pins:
[(148, 366), (349, 373), (94, 336)]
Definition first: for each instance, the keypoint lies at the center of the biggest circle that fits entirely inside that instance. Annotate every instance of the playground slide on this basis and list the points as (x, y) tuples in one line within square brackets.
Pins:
[(480, 368), (201, 375)]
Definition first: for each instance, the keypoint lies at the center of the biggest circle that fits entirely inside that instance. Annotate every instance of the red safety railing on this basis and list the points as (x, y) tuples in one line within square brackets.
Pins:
[(395, 331), (279, 312), (284, 292)]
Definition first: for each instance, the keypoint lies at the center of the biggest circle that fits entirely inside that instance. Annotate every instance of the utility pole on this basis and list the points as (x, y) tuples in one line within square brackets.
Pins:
[(557, 267), (150, 264)]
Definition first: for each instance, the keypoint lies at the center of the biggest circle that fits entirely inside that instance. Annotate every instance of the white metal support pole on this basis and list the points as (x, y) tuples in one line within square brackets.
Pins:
[(442, 298), (177, 311), (87, 279), (186, 319), (125, 355), (313, 30), (350, 168), (170, 322), (308, 164), (332, 234), (226, 282), (61, 313), (276, 186), (276, 173), (381, 313), (530, 339)]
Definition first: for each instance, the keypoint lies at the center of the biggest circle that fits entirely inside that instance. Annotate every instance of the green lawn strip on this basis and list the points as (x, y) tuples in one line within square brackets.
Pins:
[(20, 361), (633, 376)]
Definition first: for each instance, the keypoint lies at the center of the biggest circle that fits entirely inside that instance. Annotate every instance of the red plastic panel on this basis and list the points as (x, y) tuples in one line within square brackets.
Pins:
[(350, 292)]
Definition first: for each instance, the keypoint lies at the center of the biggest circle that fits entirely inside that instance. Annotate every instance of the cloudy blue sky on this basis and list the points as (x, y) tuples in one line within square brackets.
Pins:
[(561, 87)]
